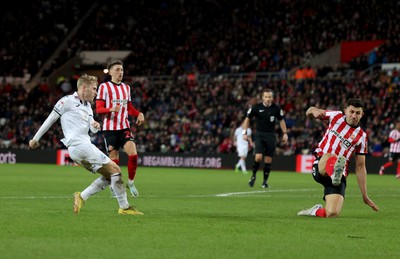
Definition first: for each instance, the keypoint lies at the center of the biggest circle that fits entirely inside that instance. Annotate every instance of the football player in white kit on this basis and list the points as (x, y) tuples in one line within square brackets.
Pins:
[(242, 148), (76, 116)]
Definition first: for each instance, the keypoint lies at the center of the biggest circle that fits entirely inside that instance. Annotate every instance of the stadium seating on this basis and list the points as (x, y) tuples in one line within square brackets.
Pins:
[(181, 40)]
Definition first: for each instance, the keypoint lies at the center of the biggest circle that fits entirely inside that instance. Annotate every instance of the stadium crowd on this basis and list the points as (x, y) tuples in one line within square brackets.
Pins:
[(200, 116), (180, 38), (175, 37)]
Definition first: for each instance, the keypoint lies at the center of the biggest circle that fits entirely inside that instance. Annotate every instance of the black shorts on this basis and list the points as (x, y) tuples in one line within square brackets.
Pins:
[(265, 143), (394, 156), (326, 181), (116, 138)]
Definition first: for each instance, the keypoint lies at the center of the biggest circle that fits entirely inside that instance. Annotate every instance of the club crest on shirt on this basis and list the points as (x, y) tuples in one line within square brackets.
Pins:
[(272, 118)]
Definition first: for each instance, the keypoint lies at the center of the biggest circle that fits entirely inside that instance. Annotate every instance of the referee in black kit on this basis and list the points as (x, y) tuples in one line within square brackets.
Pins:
[(266, 114)]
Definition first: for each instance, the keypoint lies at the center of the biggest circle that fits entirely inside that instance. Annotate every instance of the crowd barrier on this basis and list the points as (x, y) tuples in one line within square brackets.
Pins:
[(296, 163)]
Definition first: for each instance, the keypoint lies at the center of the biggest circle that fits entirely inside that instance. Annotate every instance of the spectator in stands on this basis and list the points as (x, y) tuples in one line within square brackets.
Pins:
[(309, 73), (225, 146), (300, 74), (203, 50)]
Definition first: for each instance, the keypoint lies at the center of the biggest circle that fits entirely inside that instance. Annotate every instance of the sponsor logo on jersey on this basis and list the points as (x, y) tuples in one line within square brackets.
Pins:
[(119, 101), (345, 143)]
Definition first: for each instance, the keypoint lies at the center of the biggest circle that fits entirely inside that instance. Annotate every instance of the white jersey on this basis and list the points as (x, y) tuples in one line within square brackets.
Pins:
[(240, 142), (76, 118), (76, 121)]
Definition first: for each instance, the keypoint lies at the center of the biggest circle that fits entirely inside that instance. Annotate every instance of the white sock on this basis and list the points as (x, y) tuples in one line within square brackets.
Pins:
[(243, 165), (97, 185), (118, 186), (130, 181)]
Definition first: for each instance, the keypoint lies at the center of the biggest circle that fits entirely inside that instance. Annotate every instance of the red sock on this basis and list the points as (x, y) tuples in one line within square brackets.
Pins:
[(132, 166), (321, 213), (398, 169), (330, 164), (115, 161), (388, 164)]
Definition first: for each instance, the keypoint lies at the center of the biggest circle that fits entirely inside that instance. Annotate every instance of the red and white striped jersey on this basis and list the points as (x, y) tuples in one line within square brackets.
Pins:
[(395, 146), (115, 94), (342, 139)]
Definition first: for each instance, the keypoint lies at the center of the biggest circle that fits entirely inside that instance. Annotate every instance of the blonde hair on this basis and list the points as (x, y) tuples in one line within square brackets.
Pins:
[(86, 79)]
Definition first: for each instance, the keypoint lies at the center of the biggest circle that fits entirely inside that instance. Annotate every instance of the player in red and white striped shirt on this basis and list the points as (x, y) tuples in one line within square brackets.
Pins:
[(343, 139), (113, 101), (394, 140)]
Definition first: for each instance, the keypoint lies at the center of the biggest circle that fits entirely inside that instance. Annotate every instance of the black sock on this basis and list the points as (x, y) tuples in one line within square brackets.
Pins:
[(267, 169), (256, 165)]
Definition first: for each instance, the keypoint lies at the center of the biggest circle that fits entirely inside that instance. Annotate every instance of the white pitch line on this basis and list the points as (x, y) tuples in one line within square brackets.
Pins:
[(152, 196), (229, 194), (265, 191), (35, 197), (249, 193), (43, 197)]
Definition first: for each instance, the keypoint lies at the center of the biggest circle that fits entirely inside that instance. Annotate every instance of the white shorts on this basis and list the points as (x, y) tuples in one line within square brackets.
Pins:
[(88, 156), (242, 150)]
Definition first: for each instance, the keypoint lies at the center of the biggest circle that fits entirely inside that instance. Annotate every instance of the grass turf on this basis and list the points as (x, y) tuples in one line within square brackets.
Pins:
[(191, 213)]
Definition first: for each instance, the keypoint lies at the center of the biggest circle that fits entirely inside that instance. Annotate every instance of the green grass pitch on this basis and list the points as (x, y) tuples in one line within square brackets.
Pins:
[(191, 213)]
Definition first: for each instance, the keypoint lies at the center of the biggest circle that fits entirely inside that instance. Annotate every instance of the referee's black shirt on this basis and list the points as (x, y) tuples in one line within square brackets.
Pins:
[(265, 116)]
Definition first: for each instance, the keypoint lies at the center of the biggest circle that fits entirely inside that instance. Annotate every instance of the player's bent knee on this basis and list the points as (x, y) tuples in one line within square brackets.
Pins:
[(258, 158), (110, 168), (114, 168)]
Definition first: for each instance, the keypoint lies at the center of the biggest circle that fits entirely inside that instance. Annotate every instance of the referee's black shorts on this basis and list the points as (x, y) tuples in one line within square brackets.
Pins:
[(265, 143)]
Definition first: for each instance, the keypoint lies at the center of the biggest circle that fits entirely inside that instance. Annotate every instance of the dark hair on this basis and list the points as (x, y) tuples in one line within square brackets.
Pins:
[(267, 90), (113, 63), (358, 103)]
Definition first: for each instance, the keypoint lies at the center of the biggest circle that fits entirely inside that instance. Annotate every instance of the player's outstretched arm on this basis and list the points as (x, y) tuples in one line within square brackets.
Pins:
[(33, 144), (361, 173), (53, 117), (315, 113)]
